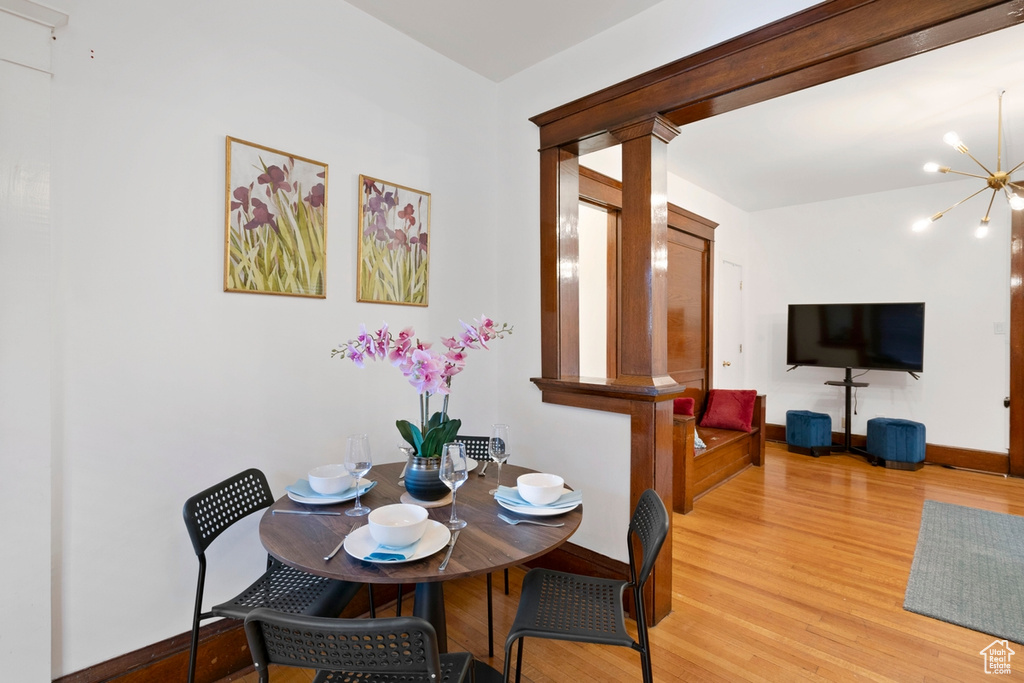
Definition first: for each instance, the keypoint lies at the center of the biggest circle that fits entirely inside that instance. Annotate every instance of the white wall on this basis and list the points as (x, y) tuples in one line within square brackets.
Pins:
[(167, 384), (591, 447), (163, 384), (593, 284), (861, 249), (25, 327)]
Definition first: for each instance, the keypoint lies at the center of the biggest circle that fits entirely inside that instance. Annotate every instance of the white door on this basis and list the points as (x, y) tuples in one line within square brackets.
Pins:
[(729, 370)]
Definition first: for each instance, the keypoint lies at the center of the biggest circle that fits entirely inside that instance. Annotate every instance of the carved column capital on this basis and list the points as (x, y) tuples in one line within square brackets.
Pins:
[(656, 125)]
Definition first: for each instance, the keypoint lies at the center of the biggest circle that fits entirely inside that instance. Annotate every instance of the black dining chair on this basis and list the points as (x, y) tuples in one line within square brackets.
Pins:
[(584, 609), (209, 513), (364, 650), (476, 448)]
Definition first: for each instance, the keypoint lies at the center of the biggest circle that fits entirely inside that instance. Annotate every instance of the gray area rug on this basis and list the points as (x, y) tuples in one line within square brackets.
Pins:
[(969, 570)]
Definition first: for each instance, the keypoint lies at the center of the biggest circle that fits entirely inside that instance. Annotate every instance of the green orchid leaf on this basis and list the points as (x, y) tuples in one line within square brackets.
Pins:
[(436, 420), (410, 433), (438, 437)]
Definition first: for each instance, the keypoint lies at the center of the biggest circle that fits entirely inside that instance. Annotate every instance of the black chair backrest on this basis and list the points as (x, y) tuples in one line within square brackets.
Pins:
[(650, 523), (476, 446), (210, 512), (397, 645)]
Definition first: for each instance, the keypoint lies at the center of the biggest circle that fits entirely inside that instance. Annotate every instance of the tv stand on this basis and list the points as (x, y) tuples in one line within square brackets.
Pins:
[(846, 447)]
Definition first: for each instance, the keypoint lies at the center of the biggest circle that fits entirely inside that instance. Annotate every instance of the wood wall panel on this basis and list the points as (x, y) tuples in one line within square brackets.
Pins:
[(688, 318)]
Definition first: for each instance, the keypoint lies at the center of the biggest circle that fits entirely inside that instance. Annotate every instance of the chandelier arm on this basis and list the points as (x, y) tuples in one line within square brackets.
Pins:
[(990, 202), (978, 163), (941, 213), (1010, 172), (972, 175)]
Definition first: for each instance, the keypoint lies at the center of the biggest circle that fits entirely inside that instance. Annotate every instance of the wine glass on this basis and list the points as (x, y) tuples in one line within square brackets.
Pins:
[(497, 448), (453, 473), (358, 462)]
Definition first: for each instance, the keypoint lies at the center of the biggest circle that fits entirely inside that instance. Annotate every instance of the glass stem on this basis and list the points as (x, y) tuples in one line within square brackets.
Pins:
[(454, 517)]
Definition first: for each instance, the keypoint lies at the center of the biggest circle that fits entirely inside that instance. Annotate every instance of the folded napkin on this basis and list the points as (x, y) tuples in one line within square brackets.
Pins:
[(385, 553), (302, 488), (510, 495)]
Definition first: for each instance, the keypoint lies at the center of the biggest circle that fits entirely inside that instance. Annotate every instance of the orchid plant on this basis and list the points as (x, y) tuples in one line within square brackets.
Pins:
[(428, 370)]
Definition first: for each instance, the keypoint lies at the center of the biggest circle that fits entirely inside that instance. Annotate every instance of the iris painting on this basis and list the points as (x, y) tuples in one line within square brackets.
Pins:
[(276, 237), (394, 222)]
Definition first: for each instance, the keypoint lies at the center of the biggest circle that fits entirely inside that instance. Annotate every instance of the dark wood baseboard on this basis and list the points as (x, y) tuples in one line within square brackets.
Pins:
[(223, 650), (950, 456), (578, 560)]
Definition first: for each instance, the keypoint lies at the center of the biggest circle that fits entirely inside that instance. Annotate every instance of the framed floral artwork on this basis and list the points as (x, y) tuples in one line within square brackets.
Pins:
[(275, 240), (394, 252)]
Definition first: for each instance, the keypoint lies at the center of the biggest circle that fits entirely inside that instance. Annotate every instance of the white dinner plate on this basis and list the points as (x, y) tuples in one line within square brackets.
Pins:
[(532, 511), (360, 543), (343, 497)]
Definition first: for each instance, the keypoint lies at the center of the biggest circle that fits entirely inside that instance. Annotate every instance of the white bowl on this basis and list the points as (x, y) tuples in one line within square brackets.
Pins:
[(330, 479), (397, 525), (538, 488)]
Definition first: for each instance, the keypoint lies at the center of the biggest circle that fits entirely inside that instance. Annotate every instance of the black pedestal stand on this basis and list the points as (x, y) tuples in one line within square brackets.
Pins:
[(846, 447)]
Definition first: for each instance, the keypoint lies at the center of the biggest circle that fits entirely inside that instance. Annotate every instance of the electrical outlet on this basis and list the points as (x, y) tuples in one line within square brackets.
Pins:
[(842, 422)]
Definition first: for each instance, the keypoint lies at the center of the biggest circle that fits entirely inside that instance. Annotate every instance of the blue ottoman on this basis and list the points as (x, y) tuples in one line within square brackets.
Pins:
[(899, 443), (808, 432)]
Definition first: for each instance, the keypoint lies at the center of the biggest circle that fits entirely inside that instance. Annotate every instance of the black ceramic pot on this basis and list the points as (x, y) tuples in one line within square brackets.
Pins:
[(422, 480)]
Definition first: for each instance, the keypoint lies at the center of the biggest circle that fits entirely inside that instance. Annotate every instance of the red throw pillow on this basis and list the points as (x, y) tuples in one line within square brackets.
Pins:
[(730, 409), (682, 406)]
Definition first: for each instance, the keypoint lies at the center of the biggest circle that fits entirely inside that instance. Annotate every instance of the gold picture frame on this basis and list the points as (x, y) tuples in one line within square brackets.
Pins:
[(394, 246), (275, 237)]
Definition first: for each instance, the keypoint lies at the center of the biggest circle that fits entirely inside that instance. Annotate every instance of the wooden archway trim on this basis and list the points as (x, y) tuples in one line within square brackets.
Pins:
[(818, 45), (821, 44)]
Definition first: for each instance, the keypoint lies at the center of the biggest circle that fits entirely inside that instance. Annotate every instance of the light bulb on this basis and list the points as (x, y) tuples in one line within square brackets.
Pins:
[(921, 225), (931, 167), (982, 228), (1016, 202), (952, 139)]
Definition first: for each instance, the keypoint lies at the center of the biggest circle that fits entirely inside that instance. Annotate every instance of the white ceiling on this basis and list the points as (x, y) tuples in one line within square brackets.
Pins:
[(866, 133), (499, 38)]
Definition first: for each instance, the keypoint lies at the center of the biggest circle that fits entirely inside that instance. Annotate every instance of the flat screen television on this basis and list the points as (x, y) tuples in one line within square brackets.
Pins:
[(885, 336)]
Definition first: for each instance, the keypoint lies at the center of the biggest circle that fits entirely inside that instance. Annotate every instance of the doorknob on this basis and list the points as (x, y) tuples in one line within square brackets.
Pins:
[(726, 363)]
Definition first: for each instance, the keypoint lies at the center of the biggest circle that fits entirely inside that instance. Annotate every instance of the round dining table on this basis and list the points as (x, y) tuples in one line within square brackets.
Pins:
[(484, 545)]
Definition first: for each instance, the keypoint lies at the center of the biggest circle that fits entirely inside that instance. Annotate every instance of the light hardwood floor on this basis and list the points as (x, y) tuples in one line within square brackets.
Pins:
[(793, 571)]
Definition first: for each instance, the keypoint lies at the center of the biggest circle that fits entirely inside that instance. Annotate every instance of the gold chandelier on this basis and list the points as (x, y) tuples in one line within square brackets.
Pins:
[(998, 181)]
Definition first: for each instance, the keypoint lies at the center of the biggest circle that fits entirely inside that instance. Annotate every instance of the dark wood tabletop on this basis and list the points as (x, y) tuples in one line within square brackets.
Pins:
[(486, 543)]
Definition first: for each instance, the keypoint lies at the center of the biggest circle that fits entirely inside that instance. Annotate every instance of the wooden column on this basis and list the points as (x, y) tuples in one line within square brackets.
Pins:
[(559, 256), (643, 256), (643, 321)]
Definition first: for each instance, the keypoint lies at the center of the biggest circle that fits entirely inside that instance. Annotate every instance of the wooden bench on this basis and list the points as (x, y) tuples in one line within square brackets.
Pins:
[(728, 452)]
